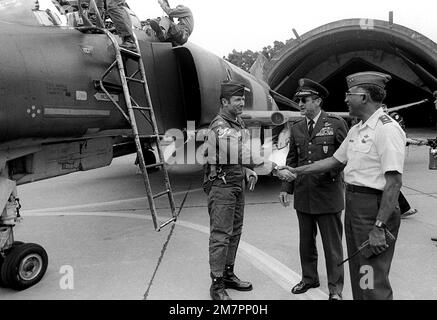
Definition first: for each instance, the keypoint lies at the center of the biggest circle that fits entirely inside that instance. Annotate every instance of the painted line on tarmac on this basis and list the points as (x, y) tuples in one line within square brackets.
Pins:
[(274, 269), (100, 204), (419, 192)]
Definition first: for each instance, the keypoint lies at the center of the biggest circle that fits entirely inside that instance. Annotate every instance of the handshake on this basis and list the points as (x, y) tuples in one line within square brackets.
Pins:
[(285, 173)]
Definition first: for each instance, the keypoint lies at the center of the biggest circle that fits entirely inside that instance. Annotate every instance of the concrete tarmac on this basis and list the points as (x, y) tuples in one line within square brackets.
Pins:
[(100, 238)]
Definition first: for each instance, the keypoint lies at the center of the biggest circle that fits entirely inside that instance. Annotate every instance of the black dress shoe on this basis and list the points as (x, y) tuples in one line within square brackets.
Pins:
[(408, 213), (303, 287), (335, 296)]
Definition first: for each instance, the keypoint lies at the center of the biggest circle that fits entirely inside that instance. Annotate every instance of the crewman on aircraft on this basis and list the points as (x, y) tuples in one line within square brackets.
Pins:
[(121, 20), (168, 31)]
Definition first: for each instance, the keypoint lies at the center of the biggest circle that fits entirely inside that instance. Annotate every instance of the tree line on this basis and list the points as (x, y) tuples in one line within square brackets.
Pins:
[(245, 59)]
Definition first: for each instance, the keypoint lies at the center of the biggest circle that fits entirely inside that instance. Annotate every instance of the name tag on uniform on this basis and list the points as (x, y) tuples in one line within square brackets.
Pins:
[(327, 131)]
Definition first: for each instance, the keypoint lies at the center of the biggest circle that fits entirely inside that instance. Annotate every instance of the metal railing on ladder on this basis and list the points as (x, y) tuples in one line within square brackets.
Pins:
[(139, 78)]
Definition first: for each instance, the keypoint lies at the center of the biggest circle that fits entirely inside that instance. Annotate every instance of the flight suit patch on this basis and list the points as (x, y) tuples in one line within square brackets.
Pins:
[(222, 132), (228, 132)]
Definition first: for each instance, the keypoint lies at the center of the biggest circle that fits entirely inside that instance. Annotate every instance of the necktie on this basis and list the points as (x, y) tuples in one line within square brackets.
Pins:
[(311, 127)]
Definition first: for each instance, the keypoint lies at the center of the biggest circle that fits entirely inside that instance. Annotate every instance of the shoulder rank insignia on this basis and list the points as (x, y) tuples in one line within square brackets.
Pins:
[(385, 119)]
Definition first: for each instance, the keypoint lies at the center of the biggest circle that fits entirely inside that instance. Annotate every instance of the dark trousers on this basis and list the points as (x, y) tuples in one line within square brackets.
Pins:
[(178, 35), (403, 203), (330, 227), (118, 15), (369, 277), (226, 212)]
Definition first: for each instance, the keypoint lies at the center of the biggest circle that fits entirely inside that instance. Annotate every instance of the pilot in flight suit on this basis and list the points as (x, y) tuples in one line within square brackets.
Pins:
[(224, 183)]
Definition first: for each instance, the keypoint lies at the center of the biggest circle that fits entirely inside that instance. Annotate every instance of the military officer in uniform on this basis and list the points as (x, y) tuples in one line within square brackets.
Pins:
[(229, 162), (318, 198), (373, 152)]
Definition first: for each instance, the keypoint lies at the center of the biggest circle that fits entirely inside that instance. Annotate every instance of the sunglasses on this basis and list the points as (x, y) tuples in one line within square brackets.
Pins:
[(348, 94), (305, 99)]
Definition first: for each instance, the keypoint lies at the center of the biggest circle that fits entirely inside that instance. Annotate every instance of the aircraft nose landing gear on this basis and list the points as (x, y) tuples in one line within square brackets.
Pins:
[(21, 264)]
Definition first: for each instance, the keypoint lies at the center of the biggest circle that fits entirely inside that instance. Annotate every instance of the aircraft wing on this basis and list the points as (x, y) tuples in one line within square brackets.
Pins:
[(405, 106), (282, 100), (269, 118)]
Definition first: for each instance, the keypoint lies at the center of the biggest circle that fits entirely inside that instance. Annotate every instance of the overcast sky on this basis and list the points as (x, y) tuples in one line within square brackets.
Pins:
[(223, 25)]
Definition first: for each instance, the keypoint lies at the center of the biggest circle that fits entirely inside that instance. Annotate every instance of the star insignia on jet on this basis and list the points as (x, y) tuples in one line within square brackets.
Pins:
[(33, 111)]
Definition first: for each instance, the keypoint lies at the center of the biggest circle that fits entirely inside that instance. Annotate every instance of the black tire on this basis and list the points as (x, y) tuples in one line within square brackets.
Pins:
[(15, 244), (24, 266)]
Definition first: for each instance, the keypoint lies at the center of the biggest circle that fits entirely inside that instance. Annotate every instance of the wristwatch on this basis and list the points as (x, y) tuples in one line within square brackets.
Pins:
[(380, 224)]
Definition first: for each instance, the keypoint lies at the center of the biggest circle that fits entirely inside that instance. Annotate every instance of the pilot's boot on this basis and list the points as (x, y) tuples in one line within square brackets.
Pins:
[(233, 282), (129, 43), (217, 290)]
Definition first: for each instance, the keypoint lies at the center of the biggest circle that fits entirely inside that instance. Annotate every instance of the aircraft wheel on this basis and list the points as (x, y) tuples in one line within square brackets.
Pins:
[(24, 266), (16, 243)]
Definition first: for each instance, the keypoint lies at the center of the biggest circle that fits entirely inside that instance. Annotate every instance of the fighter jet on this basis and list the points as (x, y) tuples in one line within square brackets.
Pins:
[(62, 103), (61, 108)]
